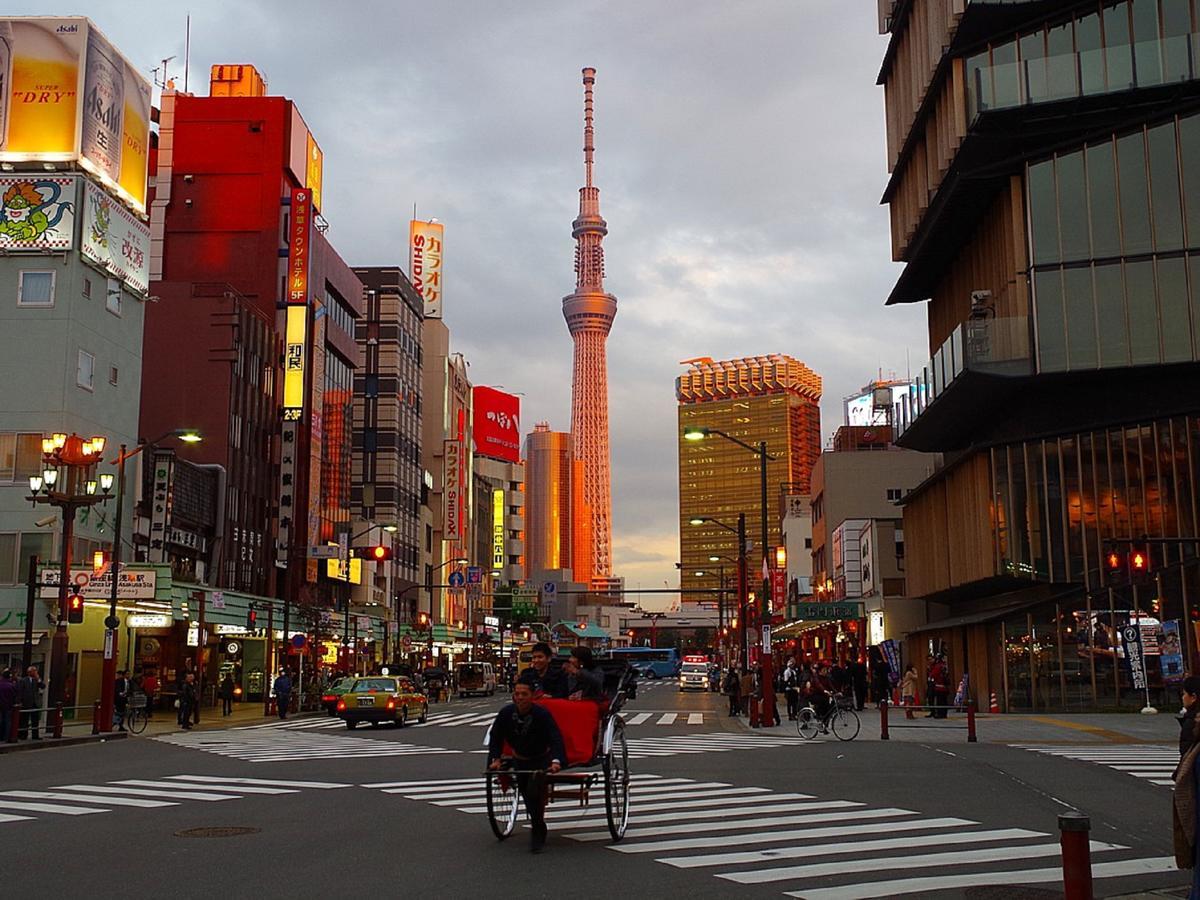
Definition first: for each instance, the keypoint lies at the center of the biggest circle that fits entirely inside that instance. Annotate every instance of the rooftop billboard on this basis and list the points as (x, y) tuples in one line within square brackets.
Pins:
[(497, 424)]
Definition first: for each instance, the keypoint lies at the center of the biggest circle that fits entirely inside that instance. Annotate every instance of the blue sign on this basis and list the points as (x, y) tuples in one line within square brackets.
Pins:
[(457, 579), (1171, 652), (474, 574), (549, 587)]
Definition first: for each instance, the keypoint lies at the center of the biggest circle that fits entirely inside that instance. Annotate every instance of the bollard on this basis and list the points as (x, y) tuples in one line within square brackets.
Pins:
[(1076, 855), (96, 717), (58, 720), (752, 703), (11, 737), (971, 739), (883, 723)]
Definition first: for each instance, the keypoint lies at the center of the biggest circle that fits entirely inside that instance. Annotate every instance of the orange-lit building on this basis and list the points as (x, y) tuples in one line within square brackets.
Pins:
[(557, 523), (770, 398)]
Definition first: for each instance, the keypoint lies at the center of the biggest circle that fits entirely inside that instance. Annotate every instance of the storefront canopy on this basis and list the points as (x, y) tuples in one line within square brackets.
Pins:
[(996, 613), (587, 632)]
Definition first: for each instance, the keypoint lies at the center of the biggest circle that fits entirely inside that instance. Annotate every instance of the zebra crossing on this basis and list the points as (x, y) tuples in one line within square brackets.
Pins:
[(137, 793), (276, 745), (709, 742), (1153, 763), (477, 719), (804, 845)]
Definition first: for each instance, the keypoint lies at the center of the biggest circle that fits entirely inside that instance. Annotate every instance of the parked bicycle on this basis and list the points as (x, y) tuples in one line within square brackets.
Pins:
[(839, 717), (135, 713)]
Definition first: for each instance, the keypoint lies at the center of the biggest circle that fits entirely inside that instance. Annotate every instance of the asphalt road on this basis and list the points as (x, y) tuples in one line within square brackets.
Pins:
[(719, 811)]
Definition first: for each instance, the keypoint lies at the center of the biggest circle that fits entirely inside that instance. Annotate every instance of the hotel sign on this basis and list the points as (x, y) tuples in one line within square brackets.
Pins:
[(298, 246)]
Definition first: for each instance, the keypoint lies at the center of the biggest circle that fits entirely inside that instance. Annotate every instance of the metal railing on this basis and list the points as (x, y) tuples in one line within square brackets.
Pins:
[(969, 709), (55, 721)]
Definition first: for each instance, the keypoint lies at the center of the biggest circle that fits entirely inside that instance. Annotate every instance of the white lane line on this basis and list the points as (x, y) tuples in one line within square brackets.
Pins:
[(269, 782), (666, 719), (692, 805), (1145, 866), (458, 719), (702, 827), (207, 786), (142, 792), (640, 819), (920, 861), (638, 719), (865, 847), (7, 818), (695, 718), (50, 808), (419, 784), (87, 798), (799, 834)]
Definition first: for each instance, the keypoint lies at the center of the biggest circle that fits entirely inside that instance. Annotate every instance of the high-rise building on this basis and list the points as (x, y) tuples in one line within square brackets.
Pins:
[(1045, 202), (771, 398), (550, 469), (589, 312)]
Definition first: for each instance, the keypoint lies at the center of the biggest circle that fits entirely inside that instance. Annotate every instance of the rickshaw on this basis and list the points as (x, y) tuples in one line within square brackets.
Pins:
[(594, 735)]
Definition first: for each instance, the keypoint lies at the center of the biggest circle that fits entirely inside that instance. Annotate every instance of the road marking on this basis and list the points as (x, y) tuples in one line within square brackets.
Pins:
[(208, 786), (142, 792), (1153, 763), (638, 719), (277, 745), (695, 718), (695, 827), (88, 798), (666, 719), (50, 808), (4, 817), (271, 782)]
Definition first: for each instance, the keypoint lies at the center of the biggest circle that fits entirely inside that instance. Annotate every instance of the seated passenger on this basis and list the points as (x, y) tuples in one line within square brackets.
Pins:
[(540, 676), (584, 682)]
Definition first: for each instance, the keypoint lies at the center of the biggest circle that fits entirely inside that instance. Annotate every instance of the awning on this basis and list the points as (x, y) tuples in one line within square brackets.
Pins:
[(995, 613), (10, 636), (588, 631)]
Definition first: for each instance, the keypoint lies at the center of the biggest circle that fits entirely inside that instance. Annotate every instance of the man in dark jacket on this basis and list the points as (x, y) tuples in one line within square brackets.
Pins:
[(29, 695), (541, 676), (121, 698), (187, 700), (8, 699), (537, 747)]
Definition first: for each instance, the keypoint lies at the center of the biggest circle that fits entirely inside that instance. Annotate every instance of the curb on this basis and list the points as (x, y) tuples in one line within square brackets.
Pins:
[(50, 743)]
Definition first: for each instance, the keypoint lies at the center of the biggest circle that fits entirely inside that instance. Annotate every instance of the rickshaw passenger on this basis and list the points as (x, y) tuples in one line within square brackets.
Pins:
[(540, 676), (537, 745), (583, 681)]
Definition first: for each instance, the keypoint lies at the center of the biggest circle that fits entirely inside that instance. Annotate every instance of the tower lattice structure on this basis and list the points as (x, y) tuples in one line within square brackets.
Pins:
[(589, 312)]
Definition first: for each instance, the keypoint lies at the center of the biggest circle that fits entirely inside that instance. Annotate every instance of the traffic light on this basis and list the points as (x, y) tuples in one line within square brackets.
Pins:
[(1114, 562), (423, 619), (379, 553), (1139, 560), (75, 609), (251, 620), (99, 562)]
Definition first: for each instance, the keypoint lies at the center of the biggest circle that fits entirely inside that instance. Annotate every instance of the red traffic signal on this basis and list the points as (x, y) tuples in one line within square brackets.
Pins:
[(75, 609), (251, 620), (1139, 561), (1114, 561), (379, 553)]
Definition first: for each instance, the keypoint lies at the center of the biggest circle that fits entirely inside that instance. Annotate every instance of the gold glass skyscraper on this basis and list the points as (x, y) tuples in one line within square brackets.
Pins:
[(771, 398)]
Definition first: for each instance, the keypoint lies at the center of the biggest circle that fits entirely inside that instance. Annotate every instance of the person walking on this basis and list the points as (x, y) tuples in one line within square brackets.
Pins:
[(187, 700), (791, 688), (227, 694), (283, 693), (881, 676), (8, 700), (29, 695), (733, 689), (181, 678), (120, 699), (150, 688), (908, 690), (940, 675), (745, 691), (857, 670), (1186, 801)]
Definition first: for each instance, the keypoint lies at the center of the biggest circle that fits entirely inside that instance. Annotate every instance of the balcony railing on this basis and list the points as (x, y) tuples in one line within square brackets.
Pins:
[(1084, 73), (989, 346)]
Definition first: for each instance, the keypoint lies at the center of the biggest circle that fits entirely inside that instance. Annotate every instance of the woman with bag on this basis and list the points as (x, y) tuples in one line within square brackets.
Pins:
[(908, 690)]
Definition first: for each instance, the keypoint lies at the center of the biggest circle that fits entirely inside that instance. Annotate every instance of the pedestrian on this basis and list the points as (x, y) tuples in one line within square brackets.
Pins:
[(283, 693), (940, 675), (745, 691), (791, 688), (8, 700), (29, 695), (181, 677), (857, 670), (187, 700), (733, 689), (776, 690), (1186, 801), (227, 694), (908, 690), (120, 699), (881, 676), (150, 688)]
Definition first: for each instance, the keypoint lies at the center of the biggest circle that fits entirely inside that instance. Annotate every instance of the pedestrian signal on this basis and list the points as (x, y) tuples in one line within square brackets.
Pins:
[(379, 553), (251, 620), (75, 609)]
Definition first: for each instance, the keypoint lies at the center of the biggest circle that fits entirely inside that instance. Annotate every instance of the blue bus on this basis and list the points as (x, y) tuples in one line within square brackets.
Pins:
[(650, 662)]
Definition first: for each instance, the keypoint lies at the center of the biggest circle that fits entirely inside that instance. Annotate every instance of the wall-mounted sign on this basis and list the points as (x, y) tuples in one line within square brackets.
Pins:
[(37, 214), (147, 620), (299, 228), (425, 264), (287, 492), (451, 505), (133, 585), (115, 239), (294, 353), (498, 554)]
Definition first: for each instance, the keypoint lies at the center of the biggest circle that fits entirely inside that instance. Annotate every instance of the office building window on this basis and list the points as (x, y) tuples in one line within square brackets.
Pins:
[(112, 375), (35, 288), (85, 370), (893, 494), (87, 287), (112, 299)]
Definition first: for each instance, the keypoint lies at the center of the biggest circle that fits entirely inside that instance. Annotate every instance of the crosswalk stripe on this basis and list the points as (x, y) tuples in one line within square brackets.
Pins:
[(695, 718), (862, 847), (4, 817), (209, 786), (915, 861), (694, 827), (269, 782), (50, 808), (949, 882), (718, 802), (1153, 763), (88, 798), (639, 818), (638, 719), (143, 792), (666, 719)]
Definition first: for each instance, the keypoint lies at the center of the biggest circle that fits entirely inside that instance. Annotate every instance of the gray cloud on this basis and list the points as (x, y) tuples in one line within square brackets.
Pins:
[(740, 160)]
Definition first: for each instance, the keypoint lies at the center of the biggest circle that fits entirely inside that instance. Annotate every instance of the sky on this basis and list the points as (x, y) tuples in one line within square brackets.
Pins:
[(740, 160)]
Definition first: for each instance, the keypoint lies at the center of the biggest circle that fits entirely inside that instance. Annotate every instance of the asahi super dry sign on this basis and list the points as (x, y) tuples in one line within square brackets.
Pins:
[(425, 264)]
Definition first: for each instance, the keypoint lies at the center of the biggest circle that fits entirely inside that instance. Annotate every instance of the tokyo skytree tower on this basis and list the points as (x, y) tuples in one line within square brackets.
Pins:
[(589, 312)]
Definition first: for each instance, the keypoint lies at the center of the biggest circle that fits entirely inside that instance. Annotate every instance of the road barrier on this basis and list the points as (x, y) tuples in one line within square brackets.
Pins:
[(1074, 828), (55, 720), (969, 709)]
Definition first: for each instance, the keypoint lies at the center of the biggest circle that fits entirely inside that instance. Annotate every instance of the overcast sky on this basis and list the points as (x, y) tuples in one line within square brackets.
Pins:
[(740, 160)]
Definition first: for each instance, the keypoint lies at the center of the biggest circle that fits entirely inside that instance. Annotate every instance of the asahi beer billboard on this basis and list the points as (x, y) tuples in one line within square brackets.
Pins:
[(68, 95)]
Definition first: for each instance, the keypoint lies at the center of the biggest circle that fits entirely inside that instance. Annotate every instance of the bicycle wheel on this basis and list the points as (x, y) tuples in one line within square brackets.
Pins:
[(616, 783), (503, 803), (137, 720), (808, 724), (845, 724)]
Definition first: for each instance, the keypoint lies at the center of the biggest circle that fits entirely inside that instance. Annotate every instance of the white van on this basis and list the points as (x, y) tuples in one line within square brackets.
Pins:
[(476, 678)]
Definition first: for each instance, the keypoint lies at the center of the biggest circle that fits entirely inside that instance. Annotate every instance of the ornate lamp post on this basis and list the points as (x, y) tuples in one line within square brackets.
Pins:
[(68, 482)]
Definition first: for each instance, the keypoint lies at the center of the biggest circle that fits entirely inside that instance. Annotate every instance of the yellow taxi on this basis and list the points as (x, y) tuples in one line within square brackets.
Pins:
[(382, 698)]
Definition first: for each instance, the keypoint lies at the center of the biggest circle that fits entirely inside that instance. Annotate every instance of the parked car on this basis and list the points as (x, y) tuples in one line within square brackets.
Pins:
[(331, 694), (476, 678), (382, 699)]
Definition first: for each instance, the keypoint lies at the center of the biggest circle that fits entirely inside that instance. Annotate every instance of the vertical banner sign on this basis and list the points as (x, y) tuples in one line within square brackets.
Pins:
[(778, 591), (1132, 636), (161, 502), (296, 340), (451, 521), (1171, 651), (892, 655), (298, 231), (287, 492), (425, 264), (497, 530), (316, 423)]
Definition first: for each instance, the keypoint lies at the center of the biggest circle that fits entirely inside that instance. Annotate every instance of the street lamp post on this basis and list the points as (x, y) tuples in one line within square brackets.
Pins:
[(699, 434), (67, 482), (743, 586), (112, 624)]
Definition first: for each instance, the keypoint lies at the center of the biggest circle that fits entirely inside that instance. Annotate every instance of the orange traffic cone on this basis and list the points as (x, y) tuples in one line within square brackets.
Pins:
[(994, 706)]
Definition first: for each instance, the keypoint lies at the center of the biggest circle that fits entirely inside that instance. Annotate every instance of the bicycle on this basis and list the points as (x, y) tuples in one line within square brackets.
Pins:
[(135, 714), (840, 718)]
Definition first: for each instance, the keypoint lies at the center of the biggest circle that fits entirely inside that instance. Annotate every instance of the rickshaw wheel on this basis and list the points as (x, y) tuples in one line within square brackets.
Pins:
[(616, 782)]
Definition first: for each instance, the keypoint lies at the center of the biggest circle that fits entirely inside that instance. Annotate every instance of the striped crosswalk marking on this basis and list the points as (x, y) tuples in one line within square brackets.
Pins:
[(714, 742), (695, 718), (667, 719), (278, 745), (474, 719), (799, 843), (637, 719), (1153, 763)]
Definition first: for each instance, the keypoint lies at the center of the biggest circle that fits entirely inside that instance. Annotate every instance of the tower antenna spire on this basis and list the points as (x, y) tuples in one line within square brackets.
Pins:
[(589, 147)]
